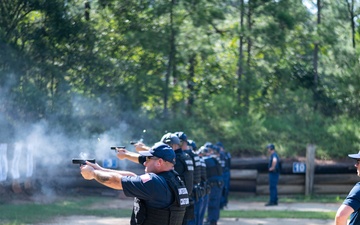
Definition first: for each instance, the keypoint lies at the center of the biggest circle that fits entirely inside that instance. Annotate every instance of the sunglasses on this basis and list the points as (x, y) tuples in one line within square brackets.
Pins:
[(151, 157)]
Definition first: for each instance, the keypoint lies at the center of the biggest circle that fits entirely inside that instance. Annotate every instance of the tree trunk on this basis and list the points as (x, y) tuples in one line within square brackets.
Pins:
[(316, 55), (171, 62), (248, 60), (190, 84), (352, 18), (241, 54)]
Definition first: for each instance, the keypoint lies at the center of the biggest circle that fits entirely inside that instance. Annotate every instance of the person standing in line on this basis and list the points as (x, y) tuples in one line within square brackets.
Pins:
[(183, 166), (274, 174), (205, 187), (351, 205), (225, 160), (160, 196), (215, 181), (192, 210)]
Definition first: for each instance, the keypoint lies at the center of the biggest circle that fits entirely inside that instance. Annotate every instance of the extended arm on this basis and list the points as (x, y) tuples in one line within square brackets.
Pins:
[(107, 177), (343, 214), (125, 154), (139, 146)]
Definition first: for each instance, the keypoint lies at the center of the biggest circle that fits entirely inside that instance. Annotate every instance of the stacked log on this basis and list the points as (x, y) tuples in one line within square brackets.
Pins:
[(250, 176), (243, 180)]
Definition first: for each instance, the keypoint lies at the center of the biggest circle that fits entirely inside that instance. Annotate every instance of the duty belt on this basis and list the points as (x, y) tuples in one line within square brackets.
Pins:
[(216, 183), (199, 191)]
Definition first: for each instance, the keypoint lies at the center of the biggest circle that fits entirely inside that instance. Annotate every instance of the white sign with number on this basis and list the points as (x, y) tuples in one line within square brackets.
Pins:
[(110, 163), (299, 167)]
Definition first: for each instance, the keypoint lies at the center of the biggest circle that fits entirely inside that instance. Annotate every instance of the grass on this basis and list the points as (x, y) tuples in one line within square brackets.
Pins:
[(30, 213), (291, 198), (277, 214), (283, 214)]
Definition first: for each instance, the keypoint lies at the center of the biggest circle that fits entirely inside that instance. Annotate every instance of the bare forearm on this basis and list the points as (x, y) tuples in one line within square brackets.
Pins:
[(340, 221), (132, 156), (342, 214), (120, 172), (109, 179), (141, 147)]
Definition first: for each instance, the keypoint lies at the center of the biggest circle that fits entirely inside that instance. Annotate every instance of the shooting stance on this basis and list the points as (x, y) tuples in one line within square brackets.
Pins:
[(351, 205), (160, 196)]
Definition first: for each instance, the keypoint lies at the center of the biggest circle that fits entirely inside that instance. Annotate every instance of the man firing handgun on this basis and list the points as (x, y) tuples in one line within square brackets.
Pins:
[(160, 194)]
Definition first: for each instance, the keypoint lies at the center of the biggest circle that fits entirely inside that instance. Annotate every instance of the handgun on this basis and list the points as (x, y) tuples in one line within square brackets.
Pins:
[(133, 142), (114, 148), (82, 161)]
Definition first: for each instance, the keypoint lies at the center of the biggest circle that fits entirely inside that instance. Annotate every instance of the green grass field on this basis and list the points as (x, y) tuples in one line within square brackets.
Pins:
[(29, 213)]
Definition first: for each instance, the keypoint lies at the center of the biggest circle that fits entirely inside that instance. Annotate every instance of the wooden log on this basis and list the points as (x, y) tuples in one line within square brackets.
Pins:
[(336, 168), (332, 189), (299, 179), (249, 163), (261, 164), (336, 179), (243, 174), (243, 186), (282, 189)]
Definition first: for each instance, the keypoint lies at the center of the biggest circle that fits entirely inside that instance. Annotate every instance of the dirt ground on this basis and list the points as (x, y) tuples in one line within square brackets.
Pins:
[(121, 202), (233, 205), (225, 221)]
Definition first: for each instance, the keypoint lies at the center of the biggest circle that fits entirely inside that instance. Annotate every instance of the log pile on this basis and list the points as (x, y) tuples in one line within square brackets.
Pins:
[(250, 176)]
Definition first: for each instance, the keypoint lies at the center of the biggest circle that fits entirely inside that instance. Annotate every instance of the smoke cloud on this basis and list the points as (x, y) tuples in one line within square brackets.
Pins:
[(42, 152)]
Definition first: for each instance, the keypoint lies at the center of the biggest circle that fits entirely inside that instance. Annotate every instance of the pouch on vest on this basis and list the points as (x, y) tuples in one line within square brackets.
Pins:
[(139, 211)]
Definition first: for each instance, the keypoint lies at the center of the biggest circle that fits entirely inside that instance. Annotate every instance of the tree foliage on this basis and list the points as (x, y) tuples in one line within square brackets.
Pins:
[(242, 72)]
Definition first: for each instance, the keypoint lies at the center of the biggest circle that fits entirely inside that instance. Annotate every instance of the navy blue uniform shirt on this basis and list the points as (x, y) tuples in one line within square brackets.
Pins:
[(151, 188), (353, 200), (277, 166)]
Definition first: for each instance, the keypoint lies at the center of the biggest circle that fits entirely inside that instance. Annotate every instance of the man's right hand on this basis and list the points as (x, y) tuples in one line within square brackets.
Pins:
[(121, 153), (139, 146), (87, 172)]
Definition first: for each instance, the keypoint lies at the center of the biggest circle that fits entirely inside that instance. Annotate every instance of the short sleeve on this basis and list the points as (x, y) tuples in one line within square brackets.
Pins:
[(148, 187), (353, 198)]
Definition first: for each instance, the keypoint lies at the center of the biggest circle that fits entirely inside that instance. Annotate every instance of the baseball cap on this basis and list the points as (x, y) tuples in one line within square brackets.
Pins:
[(181, 135), (170, 139), (219, 144), (208, 144), (203, 150), (160, 150), (215, 148), (270, 146), (355, 156), (192, 144)]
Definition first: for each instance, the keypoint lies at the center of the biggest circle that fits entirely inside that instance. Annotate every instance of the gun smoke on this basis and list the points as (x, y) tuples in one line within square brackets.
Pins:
[(41, 154)]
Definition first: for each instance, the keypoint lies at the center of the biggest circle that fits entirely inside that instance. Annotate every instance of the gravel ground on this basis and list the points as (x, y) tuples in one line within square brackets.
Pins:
[(76, 220), (233, 205)]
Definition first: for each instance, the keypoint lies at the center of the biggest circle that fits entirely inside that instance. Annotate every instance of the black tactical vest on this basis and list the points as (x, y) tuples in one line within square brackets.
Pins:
[(184, 161), (172, 215), (213, 167), (203, 170), (197, 166)]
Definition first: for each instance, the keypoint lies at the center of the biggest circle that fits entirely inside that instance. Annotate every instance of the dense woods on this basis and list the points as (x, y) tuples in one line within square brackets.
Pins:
[(243, 72)]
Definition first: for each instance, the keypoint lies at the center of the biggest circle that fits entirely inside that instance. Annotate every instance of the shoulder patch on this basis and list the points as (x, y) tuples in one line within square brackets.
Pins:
[(145, 177)]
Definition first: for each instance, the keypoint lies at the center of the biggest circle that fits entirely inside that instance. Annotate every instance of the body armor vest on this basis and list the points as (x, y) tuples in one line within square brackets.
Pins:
[(213, 167), (172, 215), (197, 166), (188, 174)]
